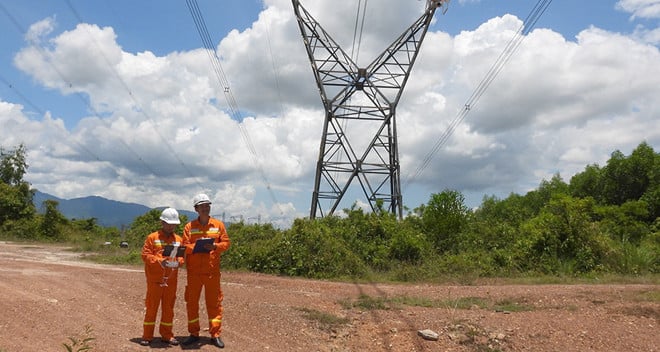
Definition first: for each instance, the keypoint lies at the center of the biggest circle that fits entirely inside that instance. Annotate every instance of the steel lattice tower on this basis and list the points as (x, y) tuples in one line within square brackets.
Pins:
[(367, 152)]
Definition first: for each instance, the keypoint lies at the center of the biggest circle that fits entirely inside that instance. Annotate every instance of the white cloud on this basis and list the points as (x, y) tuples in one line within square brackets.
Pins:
[(160, 130), (640, 8)]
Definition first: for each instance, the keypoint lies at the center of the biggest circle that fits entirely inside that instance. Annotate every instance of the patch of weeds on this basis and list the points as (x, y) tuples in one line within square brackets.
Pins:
[(465, 303), (649, 296), (646, 312), (366, 302), (81, 342), (326, 320), (416, 301), (509, 305), (475, 337)]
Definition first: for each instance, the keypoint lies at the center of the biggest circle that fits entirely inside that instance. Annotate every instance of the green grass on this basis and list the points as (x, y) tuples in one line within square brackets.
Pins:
[(464, 303), (81, 342), (649, 296), (326, 320), (508, 305), (366, 302)]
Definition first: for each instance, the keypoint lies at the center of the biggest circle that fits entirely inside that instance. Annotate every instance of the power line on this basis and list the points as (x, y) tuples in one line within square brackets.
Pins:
[(355, 30), (42, 112), (135, 100), (503, 58), (233, 106), (77, 94)]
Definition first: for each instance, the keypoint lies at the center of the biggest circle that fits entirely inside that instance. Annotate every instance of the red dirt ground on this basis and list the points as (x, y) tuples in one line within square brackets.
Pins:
[(50, 295)]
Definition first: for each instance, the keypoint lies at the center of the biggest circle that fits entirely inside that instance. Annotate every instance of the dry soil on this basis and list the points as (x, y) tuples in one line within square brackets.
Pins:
[(49, 296)]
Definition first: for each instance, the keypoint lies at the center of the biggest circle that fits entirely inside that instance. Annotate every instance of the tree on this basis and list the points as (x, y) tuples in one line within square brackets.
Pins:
[(51, 220), (629, 178), (538, 198), (13, 165), (444, 217), (145, 224), (15, 194), (562, 237), (587, 183)]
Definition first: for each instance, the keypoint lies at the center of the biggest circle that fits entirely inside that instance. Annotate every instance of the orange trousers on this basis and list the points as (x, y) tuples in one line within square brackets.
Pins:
[(164, 297), (213, 296)]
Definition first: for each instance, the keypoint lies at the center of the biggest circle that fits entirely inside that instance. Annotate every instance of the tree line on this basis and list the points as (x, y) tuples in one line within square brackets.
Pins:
[(605, 219)]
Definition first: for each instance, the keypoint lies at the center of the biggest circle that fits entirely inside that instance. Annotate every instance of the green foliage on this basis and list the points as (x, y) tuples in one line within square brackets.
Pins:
[(562, 234), (407, 246), (326, 320), (308, 249), (145, 224), (587, 183), (246, 240), (24, 229), (444, 217), (15, 194), (625, 223), (13, 165), (605, 222), (622, 179), (82, 342), (366, 234), (52, 221)]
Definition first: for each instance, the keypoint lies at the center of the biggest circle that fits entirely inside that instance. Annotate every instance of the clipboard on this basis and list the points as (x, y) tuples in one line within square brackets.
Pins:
[(201, 242), (167, 250)]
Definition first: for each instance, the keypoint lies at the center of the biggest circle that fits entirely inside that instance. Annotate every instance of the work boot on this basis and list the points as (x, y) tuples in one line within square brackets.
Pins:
[(173, 341), (217, 342), (190, 339)]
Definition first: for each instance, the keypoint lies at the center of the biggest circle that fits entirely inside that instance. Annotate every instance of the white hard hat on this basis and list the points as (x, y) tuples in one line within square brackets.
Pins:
[(170, 216), (201, 199)]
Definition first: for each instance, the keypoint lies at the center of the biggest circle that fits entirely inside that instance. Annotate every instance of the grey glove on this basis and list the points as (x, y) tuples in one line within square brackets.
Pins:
[(171, 264)]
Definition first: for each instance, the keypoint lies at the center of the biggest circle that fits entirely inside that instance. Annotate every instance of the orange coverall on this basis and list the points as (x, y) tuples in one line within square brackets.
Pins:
[(157, 292), (203, 270)]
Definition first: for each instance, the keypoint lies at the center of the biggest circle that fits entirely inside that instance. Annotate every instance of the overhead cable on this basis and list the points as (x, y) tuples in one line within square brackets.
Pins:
[(503, 58), (135, 101), (78, 95), (233, 106)]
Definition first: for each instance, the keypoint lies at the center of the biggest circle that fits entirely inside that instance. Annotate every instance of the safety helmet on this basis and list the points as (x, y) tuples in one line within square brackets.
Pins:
[(170, 216), (201, 199)]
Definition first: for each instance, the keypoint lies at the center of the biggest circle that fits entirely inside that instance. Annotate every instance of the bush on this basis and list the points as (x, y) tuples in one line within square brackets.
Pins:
[(306, 250)]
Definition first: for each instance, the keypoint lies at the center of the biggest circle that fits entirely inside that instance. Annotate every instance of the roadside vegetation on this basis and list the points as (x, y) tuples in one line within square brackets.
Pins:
[(602, 223)]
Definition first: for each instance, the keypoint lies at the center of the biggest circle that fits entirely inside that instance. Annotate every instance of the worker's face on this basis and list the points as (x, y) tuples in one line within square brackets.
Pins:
[(203, 209), (168, 229)]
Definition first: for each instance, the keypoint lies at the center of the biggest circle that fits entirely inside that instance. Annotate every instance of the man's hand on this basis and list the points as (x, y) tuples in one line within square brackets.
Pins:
[(171, 264)]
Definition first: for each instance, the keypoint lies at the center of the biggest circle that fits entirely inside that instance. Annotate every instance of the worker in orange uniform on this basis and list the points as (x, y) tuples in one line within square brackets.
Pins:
[(203, 269), (161, 272)]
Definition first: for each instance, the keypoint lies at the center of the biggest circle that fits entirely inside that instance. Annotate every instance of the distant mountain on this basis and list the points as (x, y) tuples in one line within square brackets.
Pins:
[(108, 213)]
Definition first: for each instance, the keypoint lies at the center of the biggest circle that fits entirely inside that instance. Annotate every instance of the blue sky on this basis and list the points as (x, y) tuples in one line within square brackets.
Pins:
[(117, 99)]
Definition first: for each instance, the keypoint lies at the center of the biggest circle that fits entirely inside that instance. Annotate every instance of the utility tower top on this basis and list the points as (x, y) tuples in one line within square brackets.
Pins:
[(359, 143)]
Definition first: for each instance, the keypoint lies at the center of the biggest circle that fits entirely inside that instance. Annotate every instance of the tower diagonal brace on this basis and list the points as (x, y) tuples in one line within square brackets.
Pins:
[(376, 167)]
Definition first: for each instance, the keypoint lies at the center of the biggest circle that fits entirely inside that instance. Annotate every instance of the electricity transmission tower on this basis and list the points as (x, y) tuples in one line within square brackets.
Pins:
[(367, 150)]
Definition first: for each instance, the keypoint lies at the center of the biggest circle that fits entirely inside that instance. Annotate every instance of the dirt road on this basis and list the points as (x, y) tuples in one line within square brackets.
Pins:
[(49, 296)]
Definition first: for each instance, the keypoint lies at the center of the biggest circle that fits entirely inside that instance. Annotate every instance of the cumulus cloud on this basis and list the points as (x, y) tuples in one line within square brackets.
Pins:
[(159, 128), (640, 8)]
